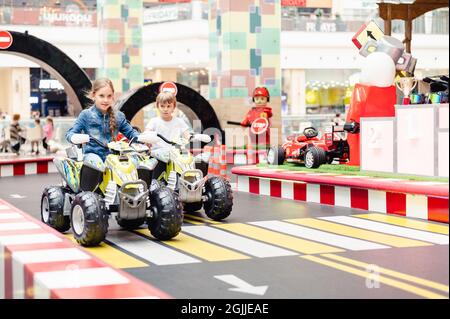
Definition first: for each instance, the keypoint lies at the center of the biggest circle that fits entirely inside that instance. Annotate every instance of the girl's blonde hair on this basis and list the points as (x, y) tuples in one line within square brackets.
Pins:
[(166, 97), (97, 85)]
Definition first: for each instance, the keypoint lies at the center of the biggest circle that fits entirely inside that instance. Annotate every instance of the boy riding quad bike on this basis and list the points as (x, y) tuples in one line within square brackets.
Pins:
[(188, 177), (93, 191)]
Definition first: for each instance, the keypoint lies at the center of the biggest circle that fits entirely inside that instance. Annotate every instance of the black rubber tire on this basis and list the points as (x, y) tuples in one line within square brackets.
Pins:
[(318, 156), (167, 214), (279, 155), (192, 207), (56, 218), (130, 224), (220, 198), (95, 219)]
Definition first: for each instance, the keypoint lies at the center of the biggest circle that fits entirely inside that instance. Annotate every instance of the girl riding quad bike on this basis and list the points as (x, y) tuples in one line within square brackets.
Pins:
[(122, 185), (188, 177)]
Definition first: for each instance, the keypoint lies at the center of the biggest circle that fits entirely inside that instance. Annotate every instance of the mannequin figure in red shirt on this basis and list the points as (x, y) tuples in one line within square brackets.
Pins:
[(260, 109)]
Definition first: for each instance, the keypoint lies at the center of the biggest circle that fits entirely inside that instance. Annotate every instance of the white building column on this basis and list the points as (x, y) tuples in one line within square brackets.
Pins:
[(297, 92), (197, 6), (15, 91)]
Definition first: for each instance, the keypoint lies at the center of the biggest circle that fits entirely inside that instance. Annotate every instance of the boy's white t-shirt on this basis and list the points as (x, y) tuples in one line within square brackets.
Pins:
[(171, 130)]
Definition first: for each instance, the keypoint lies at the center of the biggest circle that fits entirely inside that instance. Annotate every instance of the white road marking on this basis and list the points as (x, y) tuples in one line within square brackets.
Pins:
[(149, 250), (239, 243), (319, 236), (390, 229)]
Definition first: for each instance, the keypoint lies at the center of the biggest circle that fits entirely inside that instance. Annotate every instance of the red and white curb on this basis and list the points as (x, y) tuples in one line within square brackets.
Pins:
[(420, 206), (38, 262), (26, 166)]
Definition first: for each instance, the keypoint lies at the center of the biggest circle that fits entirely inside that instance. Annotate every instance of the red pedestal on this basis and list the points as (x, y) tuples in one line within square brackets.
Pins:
[(368, 101)]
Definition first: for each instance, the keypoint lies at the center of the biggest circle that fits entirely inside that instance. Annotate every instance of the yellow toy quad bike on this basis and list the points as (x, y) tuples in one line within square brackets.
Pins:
[(188, 177), (91, 192)]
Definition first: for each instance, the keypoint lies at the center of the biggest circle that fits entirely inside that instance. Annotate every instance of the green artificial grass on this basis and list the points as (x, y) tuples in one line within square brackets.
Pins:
[(352, 170)]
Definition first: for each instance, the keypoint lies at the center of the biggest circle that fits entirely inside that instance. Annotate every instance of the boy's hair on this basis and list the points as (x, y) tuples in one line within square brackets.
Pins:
[(97, 85), (16, 117), (166, 97), (37, 121)]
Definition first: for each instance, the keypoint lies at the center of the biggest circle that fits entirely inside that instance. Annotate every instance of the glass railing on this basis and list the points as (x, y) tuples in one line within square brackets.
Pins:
[(436, 24)]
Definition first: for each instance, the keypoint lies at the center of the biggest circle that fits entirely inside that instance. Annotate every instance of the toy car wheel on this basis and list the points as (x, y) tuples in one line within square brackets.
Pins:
[(52, 208), (275, 155), (314, 157), (192, 207), (130, 224), (88, 219), (167, 214), (220, 198)]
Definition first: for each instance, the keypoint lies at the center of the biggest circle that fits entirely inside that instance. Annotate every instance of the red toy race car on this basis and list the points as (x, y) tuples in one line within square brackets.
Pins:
[(312, 151)]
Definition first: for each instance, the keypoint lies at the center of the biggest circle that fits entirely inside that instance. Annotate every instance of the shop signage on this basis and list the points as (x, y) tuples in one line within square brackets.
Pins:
[(71, 16), (322, 27), (160, 14), (293, 3), (6, 40)]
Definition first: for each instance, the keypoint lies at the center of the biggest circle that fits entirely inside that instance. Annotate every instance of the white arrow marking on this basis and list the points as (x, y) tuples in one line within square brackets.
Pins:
[(17, 196), (242, 286)]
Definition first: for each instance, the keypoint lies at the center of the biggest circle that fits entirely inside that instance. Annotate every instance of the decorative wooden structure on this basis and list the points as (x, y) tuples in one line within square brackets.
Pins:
[(406, 12)]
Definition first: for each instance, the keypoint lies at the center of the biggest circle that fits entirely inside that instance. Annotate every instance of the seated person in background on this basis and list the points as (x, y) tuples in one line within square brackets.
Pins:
[(15, 130), (34, 135)]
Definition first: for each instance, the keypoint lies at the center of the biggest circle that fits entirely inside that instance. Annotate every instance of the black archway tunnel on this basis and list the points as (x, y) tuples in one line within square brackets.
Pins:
[(75, 81), (133, 101)]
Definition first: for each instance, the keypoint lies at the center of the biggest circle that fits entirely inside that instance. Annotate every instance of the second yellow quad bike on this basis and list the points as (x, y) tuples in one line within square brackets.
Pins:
[(92, 191), (188, 177)]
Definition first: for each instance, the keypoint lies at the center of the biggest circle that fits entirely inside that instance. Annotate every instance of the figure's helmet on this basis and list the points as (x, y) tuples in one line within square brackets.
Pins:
[(261, 91)]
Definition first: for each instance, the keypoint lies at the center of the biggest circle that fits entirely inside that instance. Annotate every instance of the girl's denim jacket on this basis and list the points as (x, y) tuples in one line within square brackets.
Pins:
[(93, 122)]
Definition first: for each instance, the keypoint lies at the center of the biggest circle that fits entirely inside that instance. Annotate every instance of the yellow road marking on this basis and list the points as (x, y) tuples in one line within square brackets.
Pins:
[(388, 281), (286, 241), (202, 219), (191, 221), (112, 256), (199, 248), (390, 240), (393, 273), (405, 222)]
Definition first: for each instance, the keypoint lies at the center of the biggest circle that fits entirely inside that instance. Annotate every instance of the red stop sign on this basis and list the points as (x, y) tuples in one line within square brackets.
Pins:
[(169, 87), (6, 40), (259, 126)]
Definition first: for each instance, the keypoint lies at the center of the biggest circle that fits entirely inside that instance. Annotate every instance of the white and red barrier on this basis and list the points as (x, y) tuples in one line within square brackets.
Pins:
[(38, 262), (424, 200), (27, 166)]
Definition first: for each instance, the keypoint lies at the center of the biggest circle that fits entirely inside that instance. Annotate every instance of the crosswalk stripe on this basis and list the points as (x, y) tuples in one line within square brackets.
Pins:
[(389, 272), (387, 281), (286, 241), (190, 216), (239, 243), (190, 221), (149, 250), (406, 222), (112, 256), (199, 248), (319, 236), (390, 240), (389, 229)]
